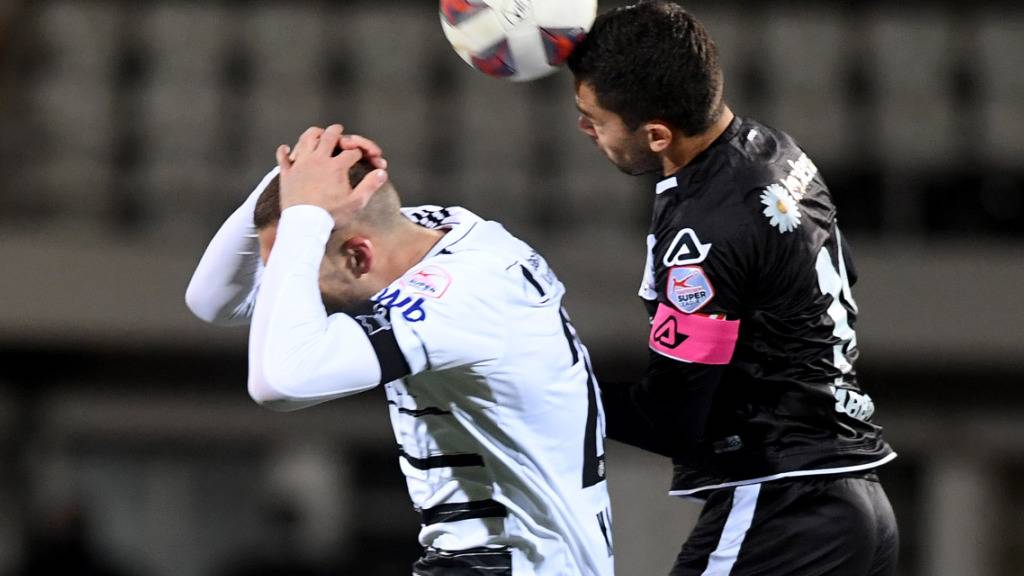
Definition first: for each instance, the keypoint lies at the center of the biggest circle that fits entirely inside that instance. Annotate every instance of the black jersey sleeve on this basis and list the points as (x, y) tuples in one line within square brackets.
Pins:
[(375, 321), (667, 410)]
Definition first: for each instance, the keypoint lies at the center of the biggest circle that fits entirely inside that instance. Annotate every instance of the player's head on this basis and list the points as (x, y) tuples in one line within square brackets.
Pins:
[(348, 271), (646, 72)]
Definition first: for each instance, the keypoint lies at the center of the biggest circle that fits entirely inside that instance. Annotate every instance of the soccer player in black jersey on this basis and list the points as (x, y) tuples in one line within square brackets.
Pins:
[(751, 387)]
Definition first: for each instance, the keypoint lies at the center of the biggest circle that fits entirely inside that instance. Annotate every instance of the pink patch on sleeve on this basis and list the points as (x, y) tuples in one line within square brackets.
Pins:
[(693, 337)]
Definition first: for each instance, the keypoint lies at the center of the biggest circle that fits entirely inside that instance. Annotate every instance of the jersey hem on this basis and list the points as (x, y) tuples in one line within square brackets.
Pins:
[(793, 474)]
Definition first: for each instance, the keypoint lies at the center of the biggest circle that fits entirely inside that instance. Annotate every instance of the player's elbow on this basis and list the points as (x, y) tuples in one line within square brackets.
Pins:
[(279, 405), (275, 389), (211, 310), (274, 394), (285, 387), (200, 305), (286, 378)]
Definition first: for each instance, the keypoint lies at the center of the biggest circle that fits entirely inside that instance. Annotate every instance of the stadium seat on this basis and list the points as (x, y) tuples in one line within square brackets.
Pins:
[(1001, 70), (393, 44), (271, 33), (78, 113), (182, 120), (187, 41), (75, 188), (809, 98), (276, 114), (912, 55), (81, 37)]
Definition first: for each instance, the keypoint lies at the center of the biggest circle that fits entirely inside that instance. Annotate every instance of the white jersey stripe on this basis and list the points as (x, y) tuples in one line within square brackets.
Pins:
[(793, 474), (744, 501)]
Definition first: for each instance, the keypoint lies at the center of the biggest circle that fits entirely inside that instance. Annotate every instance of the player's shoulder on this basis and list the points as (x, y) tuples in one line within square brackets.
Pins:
[(480, 251), (776, 180), (762, 155), (467, 263)]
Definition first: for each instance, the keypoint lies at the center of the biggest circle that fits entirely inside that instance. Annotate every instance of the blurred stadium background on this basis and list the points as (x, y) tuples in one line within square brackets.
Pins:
[(131, 129)]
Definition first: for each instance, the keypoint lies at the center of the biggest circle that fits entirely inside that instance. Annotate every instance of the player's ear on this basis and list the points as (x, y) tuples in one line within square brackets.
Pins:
[(659, 136), (358, 252)]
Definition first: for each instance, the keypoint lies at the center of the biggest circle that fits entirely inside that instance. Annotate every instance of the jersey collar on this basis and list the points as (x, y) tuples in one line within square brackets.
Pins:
[(672, 182), (457, 220)]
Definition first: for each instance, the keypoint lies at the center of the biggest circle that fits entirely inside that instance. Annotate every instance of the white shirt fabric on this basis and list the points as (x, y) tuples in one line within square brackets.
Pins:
[(494, 407), (224, 286)]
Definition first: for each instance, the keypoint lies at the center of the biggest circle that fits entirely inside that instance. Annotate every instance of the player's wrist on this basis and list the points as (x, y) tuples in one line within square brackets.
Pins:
[(310, 217)]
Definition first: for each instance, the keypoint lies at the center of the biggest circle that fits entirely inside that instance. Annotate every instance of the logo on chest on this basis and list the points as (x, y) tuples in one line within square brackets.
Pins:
[(689, 288), (685, 249)]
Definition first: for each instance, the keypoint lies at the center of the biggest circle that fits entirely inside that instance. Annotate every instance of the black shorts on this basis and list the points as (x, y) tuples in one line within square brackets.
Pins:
[(813, 525), (472, 562)]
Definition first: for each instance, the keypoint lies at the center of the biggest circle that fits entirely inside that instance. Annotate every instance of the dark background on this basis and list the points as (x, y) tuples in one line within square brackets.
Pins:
[(131, 129)]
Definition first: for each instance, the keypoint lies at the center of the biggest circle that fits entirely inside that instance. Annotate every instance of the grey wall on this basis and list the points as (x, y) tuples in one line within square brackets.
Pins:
[(130, 130)]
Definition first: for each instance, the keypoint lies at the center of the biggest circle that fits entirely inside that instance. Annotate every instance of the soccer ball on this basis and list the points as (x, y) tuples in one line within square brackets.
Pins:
[(516, 39)]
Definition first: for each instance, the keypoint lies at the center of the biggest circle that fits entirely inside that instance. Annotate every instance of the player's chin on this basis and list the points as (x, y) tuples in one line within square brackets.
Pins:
[(637, 169), (631, 166)]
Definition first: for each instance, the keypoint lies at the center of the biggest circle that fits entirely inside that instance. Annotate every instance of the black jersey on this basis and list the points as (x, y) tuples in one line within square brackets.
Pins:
[(748, 288)]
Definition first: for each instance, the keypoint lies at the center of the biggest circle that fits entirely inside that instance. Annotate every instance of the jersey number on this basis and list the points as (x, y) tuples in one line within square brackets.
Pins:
[(836, 284), (593, 443)]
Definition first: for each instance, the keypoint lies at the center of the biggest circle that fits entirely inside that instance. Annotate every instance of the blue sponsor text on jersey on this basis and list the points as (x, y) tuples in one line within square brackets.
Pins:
[(412, 310)]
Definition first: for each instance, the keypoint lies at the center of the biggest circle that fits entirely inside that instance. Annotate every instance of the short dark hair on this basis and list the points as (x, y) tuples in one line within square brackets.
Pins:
[(652, 61), (268, 205)]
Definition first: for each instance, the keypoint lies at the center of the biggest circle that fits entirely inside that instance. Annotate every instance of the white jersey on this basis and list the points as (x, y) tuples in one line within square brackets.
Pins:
[(495, 409), (499, 421)]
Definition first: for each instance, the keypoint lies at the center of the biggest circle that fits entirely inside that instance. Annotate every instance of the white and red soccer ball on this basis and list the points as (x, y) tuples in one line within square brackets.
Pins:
[(516, 39)]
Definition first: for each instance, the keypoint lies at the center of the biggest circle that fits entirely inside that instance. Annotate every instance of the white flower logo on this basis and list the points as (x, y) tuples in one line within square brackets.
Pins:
[(780, 207)]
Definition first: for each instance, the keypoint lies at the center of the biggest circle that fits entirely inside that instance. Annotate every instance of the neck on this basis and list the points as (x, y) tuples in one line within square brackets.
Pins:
[(685, 149), (408, 246)]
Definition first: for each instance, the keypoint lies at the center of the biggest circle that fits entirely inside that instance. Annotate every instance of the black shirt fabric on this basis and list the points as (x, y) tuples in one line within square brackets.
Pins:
[(745, 236)]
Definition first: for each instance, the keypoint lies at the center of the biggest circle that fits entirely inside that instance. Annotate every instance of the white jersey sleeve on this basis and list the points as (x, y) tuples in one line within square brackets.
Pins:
[(223, 287), (298, 355)]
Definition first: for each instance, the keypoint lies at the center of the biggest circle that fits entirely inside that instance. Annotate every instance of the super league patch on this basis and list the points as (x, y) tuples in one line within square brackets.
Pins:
[(689, 288), (431, 281), (693, 338)]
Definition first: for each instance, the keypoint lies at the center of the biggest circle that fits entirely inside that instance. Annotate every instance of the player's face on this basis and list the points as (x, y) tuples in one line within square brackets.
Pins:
[(627, 149)]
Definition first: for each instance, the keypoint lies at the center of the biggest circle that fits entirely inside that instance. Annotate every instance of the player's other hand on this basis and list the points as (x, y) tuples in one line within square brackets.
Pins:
[(371, 151), (314, 173)]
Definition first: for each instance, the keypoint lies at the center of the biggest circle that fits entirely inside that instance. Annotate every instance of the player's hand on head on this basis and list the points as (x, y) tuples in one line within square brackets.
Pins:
[(314, 173), (371, 151)]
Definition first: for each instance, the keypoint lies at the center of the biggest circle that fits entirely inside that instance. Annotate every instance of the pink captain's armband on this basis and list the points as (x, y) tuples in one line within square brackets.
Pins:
[(693, 337)]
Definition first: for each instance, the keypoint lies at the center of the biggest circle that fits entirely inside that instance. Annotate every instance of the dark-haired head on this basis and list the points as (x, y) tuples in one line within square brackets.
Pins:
[(652, 61)]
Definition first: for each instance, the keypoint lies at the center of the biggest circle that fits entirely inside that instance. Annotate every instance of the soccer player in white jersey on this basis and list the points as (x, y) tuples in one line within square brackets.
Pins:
[(493, 403)]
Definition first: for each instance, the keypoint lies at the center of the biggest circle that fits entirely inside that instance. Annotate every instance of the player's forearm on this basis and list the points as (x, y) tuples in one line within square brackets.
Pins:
[(224, 284), (298, 356), (667, 411), (628, 423)]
